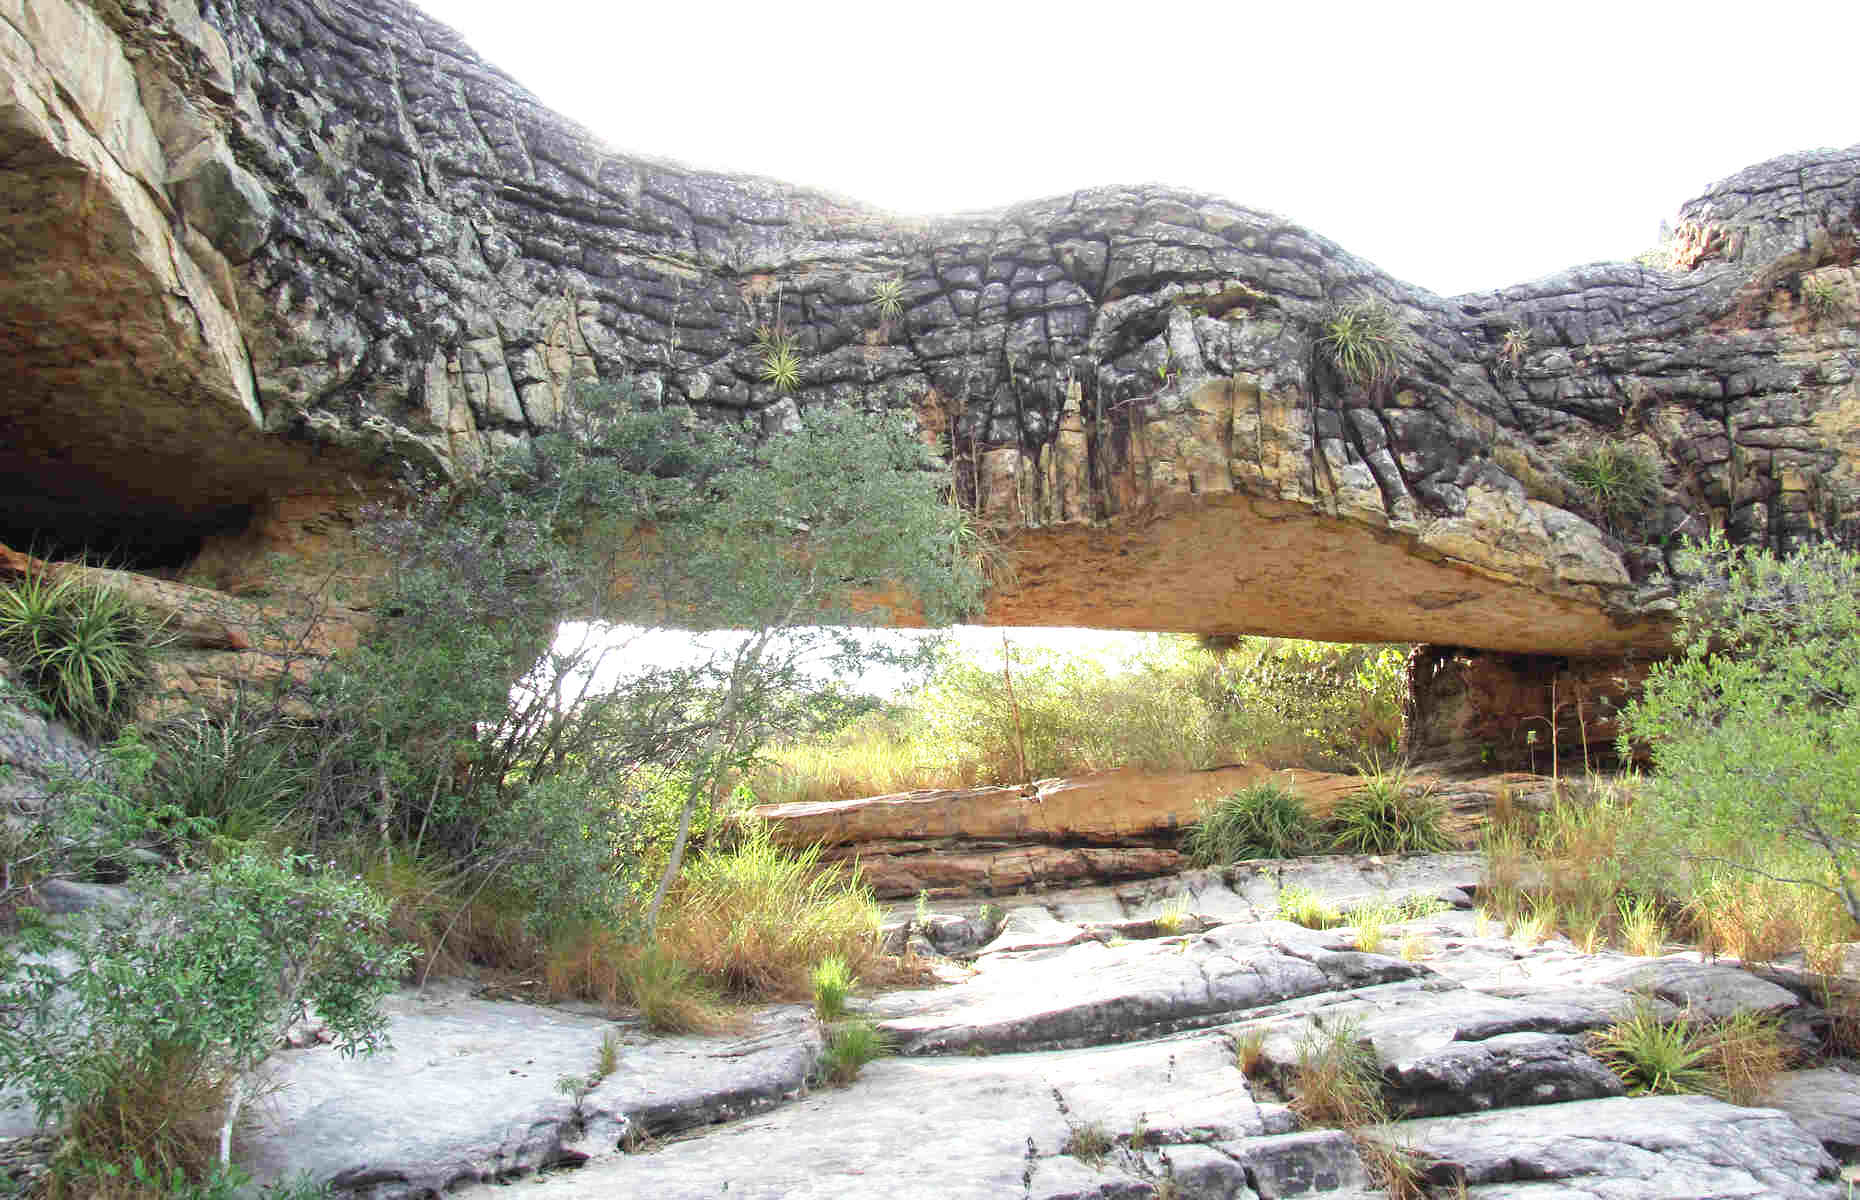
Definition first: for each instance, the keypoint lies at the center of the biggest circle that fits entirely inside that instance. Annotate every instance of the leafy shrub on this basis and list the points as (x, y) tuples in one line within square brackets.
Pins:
[(198, 989), (849, 1047), (1620, 479), (1365, 342), (1754, 726), (1262, 821), (80, 648), (1389, 815)]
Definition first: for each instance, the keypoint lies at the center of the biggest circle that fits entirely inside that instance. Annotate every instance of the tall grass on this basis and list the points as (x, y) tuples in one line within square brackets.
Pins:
[(757, 918), (1262, 821)]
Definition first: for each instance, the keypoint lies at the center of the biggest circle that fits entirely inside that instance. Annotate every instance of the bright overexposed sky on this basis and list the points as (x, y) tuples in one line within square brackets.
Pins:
[(1458, 146)]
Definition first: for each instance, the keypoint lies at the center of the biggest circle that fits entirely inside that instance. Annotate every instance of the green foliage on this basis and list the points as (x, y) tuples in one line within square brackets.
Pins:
[(203, 981), (1389, 815), (1621, 479), (833, 983), (850, 1047), (1262, 821), (1365, 342), (241, 773), (1302, 906), (80, 648), (1821, 297), (1336, 1079), (672, 997), (888, 295), (759, 918), (1754, 725), (1654, 1057), (780, 361), (1325, 705)]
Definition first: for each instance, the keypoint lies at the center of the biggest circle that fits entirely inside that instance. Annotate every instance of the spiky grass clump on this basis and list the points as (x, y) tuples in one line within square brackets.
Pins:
[(1655, 1057), (1390, 815), (780, 361), (1302, 906), (1620, 479), (1336, 1079), (671, 996), (1642, 931), (1262, 821), (1372, 922), (1174, 913), (849, 1048), (833, 983), (244, 776), (1250, 1051), (1365, 343), (888, 295), (1821, 298), (1088, 1142), (757, 918), (82, 649), (1748, 1053)]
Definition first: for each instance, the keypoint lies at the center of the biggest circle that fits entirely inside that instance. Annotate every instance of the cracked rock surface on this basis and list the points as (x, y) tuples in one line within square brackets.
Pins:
[(1078, 1055)]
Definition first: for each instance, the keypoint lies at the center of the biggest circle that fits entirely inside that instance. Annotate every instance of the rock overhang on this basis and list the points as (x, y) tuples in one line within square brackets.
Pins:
[(280, 247)]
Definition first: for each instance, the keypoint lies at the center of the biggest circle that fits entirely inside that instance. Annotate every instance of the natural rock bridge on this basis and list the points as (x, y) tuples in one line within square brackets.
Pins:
[(262, 252)]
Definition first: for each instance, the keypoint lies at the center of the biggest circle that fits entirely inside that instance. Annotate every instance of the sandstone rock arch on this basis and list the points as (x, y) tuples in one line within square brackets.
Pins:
[(269, 249)]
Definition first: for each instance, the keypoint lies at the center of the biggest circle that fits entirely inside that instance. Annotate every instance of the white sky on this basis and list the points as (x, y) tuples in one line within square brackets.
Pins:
[(1457, 146)]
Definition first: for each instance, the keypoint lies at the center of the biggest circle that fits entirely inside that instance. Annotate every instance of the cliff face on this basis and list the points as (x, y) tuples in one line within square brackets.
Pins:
[(259, 254)]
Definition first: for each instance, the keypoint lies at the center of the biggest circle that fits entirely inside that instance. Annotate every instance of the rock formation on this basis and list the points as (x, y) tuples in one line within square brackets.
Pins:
[(264, 252)]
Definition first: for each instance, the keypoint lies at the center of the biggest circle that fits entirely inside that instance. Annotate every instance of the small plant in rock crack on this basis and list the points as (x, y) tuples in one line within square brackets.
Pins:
[(1250, 1051), (1365, 342), (1302, 906), (1088, 1142), (781, 362), (849, 1048), (1654, 1056), (1821, 298), (1174, 913), (1512, 348), (888, 295), (1620, 479), (607, 1058), (1336, 1080)]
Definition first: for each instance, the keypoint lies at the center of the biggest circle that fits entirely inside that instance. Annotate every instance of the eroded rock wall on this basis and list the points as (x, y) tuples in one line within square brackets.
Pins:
[(276, 248)]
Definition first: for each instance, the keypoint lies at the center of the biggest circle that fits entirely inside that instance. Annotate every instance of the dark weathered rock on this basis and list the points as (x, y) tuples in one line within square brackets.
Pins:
[(323, 237)]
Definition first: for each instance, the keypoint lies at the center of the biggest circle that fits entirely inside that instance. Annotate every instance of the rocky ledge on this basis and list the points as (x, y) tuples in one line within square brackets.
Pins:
[(1087, 1048)]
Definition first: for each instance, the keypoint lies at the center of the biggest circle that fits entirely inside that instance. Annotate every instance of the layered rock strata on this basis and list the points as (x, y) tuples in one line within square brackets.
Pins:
[(274, 249)]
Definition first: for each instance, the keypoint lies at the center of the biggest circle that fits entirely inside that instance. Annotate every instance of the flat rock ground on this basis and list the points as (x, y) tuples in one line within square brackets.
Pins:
[(1085, 1047)]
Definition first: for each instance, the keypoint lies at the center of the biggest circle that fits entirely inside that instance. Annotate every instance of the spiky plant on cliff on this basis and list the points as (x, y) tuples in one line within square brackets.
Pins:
[(1365, 342)]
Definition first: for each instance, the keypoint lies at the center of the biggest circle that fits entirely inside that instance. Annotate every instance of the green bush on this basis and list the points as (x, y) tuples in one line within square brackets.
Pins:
[(1620, 479), (1753, 727), (199, 984), (1262, 821), (1389, 815), (1325, 705), (80, 648)]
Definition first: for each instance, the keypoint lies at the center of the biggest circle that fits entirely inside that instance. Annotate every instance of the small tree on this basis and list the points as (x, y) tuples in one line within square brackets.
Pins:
[(798, 545), (1754, 726)]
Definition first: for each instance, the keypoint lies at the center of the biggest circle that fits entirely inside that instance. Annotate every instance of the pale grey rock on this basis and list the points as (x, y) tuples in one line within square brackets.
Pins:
[(1677, 1147), (1708, 991), (1826, 1102), (469, 1093), (1091, 993)]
